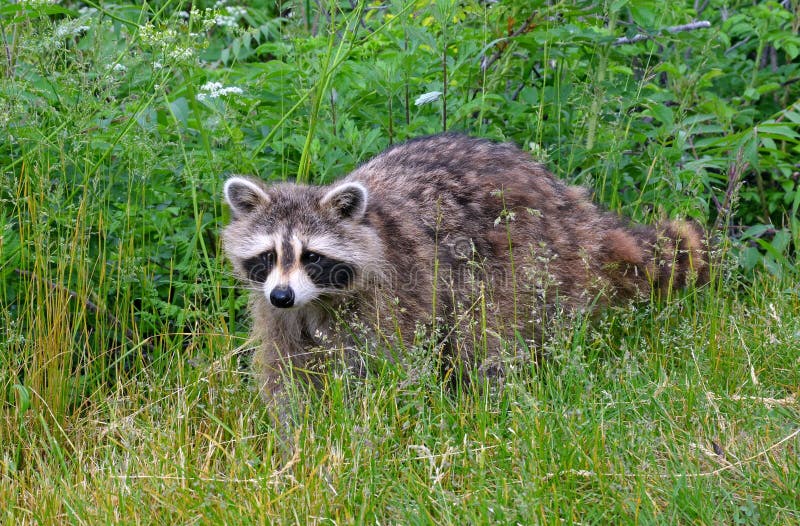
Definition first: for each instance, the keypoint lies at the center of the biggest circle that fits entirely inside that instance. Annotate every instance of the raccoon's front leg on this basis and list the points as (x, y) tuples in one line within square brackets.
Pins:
[(271, 372), (284, 367)]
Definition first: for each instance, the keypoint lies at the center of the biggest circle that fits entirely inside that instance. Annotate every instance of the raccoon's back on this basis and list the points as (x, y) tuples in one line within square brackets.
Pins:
[(450, 188), (432, 197)]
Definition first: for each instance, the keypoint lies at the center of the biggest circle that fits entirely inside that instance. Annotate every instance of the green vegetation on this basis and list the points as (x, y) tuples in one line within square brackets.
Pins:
[(122, 397)]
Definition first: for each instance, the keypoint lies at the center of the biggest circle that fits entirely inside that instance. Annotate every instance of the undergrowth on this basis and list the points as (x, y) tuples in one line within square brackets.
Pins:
[(122, 392)]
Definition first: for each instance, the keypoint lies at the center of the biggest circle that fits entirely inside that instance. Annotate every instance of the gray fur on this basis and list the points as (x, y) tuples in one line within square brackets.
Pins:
[(454, 229)]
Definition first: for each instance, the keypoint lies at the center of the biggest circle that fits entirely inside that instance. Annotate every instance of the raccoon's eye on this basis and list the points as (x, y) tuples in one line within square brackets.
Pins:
[(259, 267), (310, 257)]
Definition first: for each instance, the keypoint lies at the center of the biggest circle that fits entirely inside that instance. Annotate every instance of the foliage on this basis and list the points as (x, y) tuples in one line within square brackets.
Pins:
[(119, 122)]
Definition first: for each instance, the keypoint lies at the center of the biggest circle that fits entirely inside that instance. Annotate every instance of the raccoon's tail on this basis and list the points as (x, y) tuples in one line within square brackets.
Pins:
[(680, 256)]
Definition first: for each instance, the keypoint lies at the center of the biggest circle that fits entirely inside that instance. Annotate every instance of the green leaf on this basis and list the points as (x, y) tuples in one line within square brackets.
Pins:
[(777, 131), (767, 87), (749, 258), (781, 241), (750, 151), (180, 108), (644, 14), (663, 113), (616, 5), (621, 68), (791, 49), (751, 94), (707, 77), (23, 399), (10, 9), (755, 231), (792, 116)]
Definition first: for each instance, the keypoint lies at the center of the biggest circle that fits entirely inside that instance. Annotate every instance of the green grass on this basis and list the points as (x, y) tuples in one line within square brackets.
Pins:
[(122, 394), (679, 413)]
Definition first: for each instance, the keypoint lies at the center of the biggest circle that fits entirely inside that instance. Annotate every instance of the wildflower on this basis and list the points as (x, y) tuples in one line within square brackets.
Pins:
[(229, 20), (34, 4), (225, 21), (181, 54), (69, 28), (214, 90), (537, 152), (236, 11), (425, 98), (120, 68), (173, 46), (150, 35)]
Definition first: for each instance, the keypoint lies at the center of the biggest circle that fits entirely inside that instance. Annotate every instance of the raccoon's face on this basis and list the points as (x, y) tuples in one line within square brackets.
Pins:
[(296, 243)]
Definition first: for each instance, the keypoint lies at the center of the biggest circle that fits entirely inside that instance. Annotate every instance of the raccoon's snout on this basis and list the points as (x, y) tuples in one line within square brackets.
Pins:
[(283, 298)]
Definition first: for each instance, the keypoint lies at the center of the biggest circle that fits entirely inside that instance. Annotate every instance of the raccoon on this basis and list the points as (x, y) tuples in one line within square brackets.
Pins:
[(465, 240)]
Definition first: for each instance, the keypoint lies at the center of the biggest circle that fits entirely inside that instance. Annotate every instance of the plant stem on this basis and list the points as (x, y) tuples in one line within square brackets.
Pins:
[(597, 100)]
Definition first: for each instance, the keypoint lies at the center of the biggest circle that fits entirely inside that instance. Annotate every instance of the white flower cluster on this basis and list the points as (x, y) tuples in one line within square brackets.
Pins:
[(225, 21), (232, 18), (149, 35), (69, 28), (33, 4), (181, 54), (169, 40), (214, 90)]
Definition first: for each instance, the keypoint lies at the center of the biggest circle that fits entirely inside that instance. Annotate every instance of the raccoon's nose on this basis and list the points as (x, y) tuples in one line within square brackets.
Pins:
[(283, 298)]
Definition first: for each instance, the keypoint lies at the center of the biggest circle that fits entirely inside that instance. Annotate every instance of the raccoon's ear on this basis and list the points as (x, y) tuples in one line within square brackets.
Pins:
[(349, 200), (243, 195)]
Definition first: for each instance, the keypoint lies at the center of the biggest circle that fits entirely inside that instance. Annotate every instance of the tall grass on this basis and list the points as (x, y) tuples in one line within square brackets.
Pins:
[(123, 394)]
